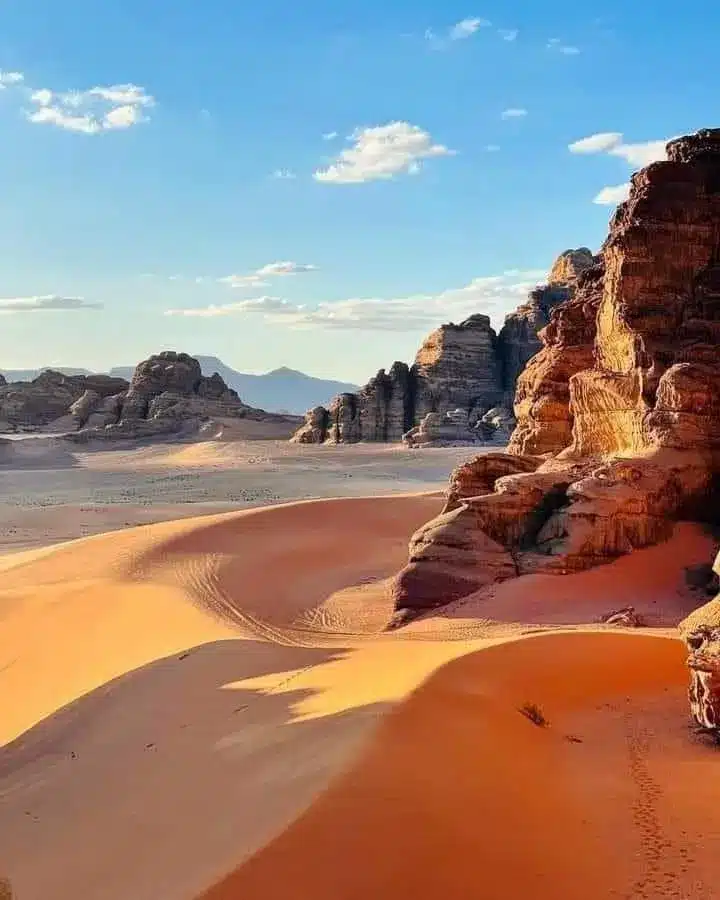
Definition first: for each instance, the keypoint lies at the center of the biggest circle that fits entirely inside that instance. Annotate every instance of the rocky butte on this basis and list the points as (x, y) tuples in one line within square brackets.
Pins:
[(460, 384), (618, 415), (167, 395)]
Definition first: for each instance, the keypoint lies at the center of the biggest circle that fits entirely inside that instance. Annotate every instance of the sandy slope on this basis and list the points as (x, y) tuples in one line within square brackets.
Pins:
[(173, 696), (460, 796)]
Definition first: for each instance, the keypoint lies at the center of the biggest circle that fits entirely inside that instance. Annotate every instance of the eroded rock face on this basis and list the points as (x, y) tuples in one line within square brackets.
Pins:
[(622, 402), (457, 368), (463, 367), (46, 402), (701, 632), (542, 398), (314, 430), (520, 336), (167, 395)]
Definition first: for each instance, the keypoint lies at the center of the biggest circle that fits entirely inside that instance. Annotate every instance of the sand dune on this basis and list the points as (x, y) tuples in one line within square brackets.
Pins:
[(175, 696), (459, 795)]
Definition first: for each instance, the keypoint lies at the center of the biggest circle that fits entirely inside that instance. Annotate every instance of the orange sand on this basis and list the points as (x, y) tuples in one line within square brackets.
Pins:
[(174, 697), (460, 796)]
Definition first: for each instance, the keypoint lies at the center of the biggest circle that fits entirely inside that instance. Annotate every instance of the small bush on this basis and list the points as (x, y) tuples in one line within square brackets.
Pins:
[(533, 712)]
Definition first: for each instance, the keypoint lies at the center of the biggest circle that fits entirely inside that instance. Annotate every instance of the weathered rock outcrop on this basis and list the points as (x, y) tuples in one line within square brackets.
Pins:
[(465, 367), (455, 429), (520, 337), (542, 397), (167, 395), (45, 403), (623, 402), (701, 631)]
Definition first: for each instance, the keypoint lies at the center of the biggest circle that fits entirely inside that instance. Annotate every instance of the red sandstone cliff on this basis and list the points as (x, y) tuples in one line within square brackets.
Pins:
[(623, 403)]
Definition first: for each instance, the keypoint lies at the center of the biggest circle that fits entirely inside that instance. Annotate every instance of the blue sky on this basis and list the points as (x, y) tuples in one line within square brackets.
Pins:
[(316, 184)]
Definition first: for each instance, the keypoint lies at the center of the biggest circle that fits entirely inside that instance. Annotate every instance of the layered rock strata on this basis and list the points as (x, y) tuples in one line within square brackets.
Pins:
[(622, 404), (465, 367)]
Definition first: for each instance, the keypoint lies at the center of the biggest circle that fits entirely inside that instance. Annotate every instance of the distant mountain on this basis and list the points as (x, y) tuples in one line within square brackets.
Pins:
[(32, 374), (282, 390)]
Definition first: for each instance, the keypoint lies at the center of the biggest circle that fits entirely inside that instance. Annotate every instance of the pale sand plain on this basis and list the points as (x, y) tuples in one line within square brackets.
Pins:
[(212, 704)]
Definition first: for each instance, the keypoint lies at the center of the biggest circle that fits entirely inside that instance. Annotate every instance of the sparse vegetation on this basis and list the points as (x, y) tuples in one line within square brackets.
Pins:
[(533, 712)]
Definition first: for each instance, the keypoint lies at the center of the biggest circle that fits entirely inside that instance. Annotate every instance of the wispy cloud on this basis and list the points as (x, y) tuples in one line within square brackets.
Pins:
[(460, 31), (557, 46), (382, 152), (496, 295), (259, 277), (601, 142), (46, 303), (99, 109), (513, 113), (330, 136), (10, 79), (508, 34), (637, 155), (283, 175), (611, 196), (466, 27)]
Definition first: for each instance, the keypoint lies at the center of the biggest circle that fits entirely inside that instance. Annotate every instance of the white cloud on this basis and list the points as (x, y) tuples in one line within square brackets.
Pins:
[(508, 34), (641, 154), (513, 113), (569, 50), (43, 97), (285, 268), (636, 155), (495, 295), (255, 304), (113, 108), (271, 270), (284, 174), (611, 142), (611, 196), (10, 79), (596, 143), (47, 303), (466, 28), (330, 136), (381, 153)]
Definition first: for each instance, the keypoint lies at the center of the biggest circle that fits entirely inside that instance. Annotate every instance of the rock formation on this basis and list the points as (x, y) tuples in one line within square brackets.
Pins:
[(519, 338), (622, 402), (168, 394), (463, 369), (701, 631), (46, 401)]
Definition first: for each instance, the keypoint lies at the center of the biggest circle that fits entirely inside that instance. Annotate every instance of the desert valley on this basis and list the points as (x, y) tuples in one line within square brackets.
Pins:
[(430, 640)]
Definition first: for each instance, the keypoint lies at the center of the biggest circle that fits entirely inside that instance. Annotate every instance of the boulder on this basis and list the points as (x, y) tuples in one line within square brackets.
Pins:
[(314, 430)]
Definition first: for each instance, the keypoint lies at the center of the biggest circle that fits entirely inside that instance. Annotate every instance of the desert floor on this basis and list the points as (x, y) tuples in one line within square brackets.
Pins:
[(210, 706)]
